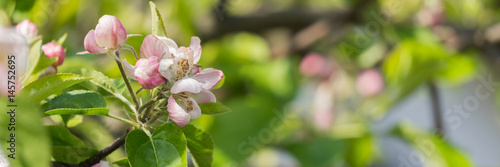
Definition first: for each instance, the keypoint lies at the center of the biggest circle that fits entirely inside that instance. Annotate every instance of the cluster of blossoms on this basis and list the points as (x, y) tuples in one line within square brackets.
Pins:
[(161, 64)]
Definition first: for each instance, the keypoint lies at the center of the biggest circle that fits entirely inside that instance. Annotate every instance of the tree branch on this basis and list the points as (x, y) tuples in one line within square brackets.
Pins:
[(436, 109), (96, 158)]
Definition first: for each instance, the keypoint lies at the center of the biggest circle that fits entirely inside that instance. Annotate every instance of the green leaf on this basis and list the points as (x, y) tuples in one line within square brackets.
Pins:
[(360, 151), (122, 162), (436, 151), (61, 40), (166, 147), (103, 85), (221, 82), (72, 154), (459, 69), (33, 59), (43, 64), (200, 145), (97, 135), (72, 120), (77, 99), (46, 86), (79, 102), (156, 20), (86, 111), (31, 137), (61, 136), (214, 108), (313, 153)]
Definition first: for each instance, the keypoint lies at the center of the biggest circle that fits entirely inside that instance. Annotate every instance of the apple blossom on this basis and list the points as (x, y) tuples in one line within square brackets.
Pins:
[(191, 85), (146, 69), (27, 29), (108, 35), (370, 83), (52, 50), (314, 64)]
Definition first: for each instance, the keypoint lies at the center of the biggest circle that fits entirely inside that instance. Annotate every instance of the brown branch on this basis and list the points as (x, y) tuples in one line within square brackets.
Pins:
[(96, 158), (436, 109)]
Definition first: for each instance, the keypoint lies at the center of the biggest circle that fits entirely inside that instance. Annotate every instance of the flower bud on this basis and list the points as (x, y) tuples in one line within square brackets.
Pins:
[(27, 29), (52, 50), (146, 72)]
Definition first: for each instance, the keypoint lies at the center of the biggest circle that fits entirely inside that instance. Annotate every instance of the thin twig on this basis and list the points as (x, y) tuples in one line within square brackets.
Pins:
[(436, 109), (96, 158), (129, 87)]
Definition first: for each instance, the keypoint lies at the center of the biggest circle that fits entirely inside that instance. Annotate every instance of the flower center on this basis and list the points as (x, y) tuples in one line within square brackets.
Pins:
[(182, 67)]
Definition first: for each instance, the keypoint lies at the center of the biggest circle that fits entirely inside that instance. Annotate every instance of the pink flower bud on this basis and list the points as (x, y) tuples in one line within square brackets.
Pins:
[(52, 50), (27, 29), (147, 74), (314, 64), (109, 32), (370, 83), (91, 45)]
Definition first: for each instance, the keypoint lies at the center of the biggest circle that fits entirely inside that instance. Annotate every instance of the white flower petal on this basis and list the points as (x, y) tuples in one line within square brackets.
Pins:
[(186, 85), (172, 46), (204, 97), (196, 47), (196, 112), (164, 68), (209, 77), (129, 69)]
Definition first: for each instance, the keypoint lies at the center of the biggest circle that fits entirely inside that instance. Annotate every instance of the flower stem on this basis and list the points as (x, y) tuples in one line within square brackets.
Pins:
[(129, 87), (121, 119)]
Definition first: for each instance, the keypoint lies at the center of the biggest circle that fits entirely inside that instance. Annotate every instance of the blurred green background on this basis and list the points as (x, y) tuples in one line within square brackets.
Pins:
[(309, 81)]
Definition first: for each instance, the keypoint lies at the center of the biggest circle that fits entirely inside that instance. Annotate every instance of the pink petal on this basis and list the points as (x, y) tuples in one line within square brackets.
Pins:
[(52, 50), (146, 72), (204, 97), (186, 85), (90, 44), (176, 113), (195, 70), (27, 29), (196, 47), (154, 47), (196, 112), (172, 46), (209, 77), (129, 69), (110, 32)]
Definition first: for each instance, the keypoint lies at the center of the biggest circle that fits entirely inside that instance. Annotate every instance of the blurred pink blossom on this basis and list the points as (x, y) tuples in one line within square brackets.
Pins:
[(370, 83), (314, 64), (27, 29)]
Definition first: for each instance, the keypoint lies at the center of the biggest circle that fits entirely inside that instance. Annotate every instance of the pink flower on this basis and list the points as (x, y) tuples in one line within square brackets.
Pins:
[(190, 91), (370, 83), (314, 64), (109, 35), (27, 29), (52, 50), (146, 69), (191, 84)]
